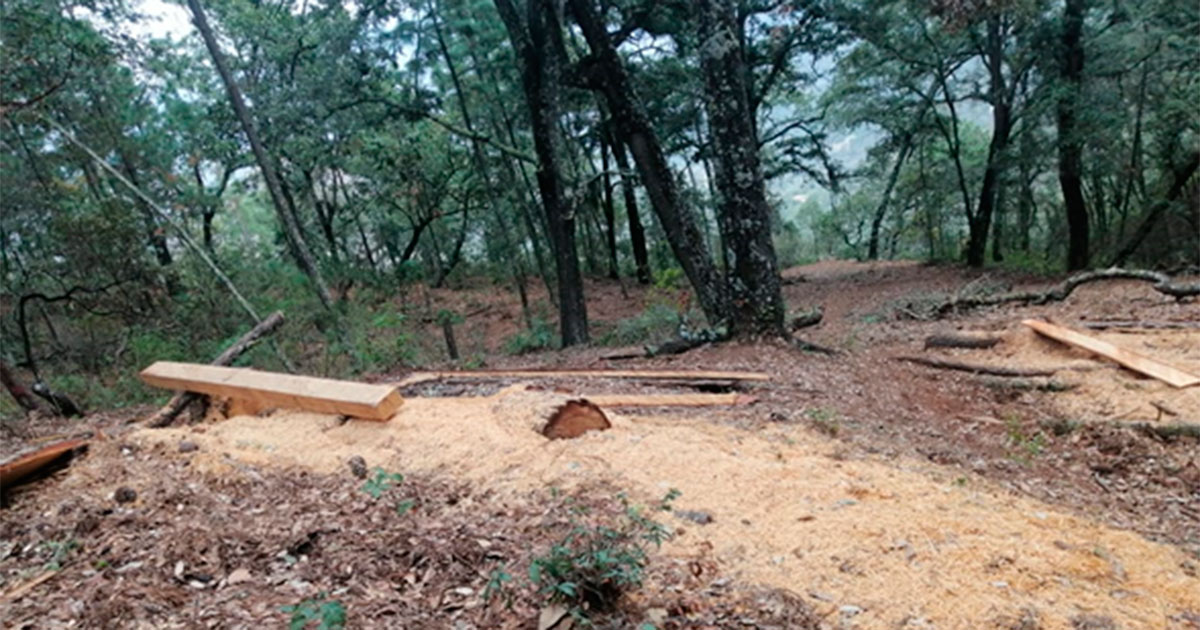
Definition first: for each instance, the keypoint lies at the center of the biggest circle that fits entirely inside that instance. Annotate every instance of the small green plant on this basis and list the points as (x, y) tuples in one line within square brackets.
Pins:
[(328, 614), (824, 420), (381, 482), (497, 586), (59, 550), (1030, 445), (594, 564)]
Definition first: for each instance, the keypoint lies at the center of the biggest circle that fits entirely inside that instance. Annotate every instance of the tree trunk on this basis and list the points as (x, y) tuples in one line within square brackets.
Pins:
[(1152, 216), (632, 127), (881, 211), (980, 224), (754, 286), (19, 392), (637, 233), (610, 213), (1070, 143), (541, 61), (287, 215)]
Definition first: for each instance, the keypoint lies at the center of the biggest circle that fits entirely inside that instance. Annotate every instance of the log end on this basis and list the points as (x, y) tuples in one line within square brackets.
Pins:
[(574, 418)]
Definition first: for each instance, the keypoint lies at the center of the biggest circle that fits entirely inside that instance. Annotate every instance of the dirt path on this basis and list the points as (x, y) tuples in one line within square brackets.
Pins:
[(895, 543)]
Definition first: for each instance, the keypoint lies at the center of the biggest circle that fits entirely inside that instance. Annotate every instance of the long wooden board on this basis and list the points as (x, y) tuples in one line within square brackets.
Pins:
[(681, 375), (668, 400), (24, 465), (1135, 361), (305, 393)]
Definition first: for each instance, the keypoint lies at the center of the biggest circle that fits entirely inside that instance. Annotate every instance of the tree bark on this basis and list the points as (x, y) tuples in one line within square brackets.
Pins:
[(881, 211), (637, 233), (1070, 143), (632, 128), (980, 224), (533, 40), (19, 392), (287, 214), (757, 306), (1181, 177)]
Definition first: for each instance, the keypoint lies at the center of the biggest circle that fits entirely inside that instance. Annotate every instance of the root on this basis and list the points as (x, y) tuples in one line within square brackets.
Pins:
[(1162, 283)]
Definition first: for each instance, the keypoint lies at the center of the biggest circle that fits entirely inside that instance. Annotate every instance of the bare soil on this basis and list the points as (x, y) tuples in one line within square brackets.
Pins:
[(857, 492)]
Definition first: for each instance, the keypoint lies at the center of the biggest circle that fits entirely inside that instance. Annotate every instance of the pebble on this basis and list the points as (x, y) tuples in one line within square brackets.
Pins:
[(125, 494), (849, 610), (187, 446), (695, 516), (358, 466)]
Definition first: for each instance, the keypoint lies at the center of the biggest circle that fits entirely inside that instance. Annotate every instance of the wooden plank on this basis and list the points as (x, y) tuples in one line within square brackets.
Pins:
[(681, 375), (1135, 361), (669, 400), (305, 393), (24, 465)]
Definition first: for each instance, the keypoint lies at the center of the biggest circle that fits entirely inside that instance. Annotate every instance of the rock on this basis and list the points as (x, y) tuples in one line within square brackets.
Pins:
[(358, 466), (849, 610), (695, 516), (656, 616), (238, 576), (187, 446), (555, 617), (125, 494)]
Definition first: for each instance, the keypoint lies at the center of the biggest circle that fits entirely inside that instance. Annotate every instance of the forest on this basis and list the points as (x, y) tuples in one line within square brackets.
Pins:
[(162, 187), (554, 314)]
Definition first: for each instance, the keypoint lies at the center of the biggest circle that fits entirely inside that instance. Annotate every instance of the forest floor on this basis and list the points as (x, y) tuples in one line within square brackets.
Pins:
[(857, 491)]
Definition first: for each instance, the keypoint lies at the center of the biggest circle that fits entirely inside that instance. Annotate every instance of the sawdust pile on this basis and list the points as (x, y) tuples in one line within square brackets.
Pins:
[(1103, 390), (889, 544)]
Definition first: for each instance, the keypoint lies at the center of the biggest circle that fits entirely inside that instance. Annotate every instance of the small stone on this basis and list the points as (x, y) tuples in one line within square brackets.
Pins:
[(656, 616), (695, 516), (1000, 584), (125, 494), (846, 503), (849, 610), (238, 576), (358, 466), (464, 591), (187, 446)]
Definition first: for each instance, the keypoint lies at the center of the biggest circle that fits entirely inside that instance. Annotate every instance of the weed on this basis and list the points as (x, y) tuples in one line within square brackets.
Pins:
[(590, 568), (824, 420), (1032, 445), (381, 482), (59, 550), (497, 587), (329, 614)]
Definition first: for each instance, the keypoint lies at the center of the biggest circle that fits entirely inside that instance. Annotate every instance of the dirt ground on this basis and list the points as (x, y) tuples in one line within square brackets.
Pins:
[(857, 492)]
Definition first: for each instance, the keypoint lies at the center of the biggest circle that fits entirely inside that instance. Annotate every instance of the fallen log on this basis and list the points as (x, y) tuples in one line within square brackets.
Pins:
[(1135, 361), (974, 368), (181, 400), (25, 465), (574, 418), (669, 400), (17, 390), (1169, 431), (807, 318), (1148, 325), (961, 340), (1161, 283)]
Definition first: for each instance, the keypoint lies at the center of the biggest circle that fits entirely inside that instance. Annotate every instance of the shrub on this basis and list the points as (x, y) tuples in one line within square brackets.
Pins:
[(326, 613), (538, 337)]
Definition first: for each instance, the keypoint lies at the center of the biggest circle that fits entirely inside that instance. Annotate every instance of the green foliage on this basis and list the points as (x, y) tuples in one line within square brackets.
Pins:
[(539, 337), (59, 551), (1028, 445), (381, 482), (657, 322), (327, 614), (595, 563)]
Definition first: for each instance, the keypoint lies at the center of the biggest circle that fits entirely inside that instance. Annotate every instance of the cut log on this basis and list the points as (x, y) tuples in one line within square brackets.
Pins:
[(974, 368), (574, 418), (181, 400), (680, 375), (670, 400), (304, 393), (25, 465), (1135, 361), (1161, 283), (1170, 431), (961, 340)]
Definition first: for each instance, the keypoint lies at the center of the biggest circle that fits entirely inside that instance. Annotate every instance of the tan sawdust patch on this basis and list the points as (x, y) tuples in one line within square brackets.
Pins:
[(1105, 390), (893, 538)]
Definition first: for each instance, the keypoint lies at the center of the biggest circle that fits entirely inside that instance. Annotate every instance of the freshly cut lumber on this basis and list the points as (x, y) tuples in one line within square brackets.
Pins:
[(975, 368), (181, 400), (1135, 361), (961, 340), (305, 393), (24, 465), (669, 400), (574, 418), (678, 375)]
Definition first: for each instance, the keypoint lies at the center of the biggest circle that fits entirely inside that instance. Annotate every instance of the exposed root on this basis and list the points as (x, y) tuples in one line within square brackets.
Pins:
[(1162, 283)]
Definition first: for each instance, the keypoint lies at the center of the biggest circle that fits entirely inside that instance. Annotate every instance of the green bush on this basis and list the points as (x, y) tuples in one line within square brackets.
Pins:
[(538, 337), (328, 614)]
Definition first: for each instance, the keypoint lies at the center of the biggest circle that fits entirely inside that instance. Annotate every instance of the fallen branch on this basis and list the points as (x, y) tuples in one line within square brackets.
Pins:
[(1148, 325), (961, 340), (181, 400), (807, 318), (1162, 283), (943, 364), (1169, 431)]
